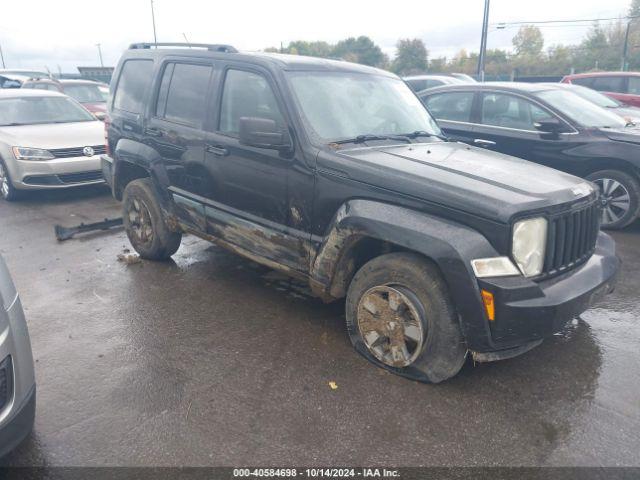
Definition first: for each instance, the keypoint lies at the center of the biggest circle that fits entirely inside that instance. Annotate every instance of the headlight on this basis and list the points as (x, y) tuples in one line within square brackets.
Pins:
[(494, 267), (25, 153), (529, 245)]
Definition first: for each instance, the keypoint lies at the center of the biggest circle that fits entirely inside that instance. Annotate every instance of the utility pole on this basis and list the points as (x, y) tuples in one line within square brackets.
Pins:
[(625, 48), (483, 41), (100, 54), (2, 57), (153, 20)]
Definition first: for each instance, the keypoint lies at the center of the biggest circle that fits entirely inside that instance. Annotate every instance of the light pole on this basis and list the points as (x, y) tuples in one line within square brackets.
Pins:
[(483, 41), (153, 20), (100, 54), (2, 57)]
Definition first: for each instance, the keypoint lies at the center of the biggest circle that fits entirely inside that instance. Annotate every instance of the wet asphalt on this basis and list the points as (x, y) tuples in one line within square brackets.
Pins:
[(212, 360)]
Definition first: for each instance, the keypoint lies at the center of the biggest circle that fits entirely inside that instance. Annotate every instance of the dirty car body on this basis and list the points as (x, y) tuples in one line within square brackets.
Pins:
[(291, 196)]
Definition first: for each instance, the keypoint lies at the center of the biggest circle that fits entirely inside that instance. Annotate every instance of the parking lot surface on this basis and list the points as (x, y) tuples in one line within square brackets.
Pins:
[(211, 359)]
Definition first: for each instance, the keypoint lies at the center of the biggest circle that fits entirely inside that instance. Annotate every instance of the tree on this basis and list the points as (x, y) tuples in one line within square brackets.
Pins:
[(411, 57), (311, 49), (528, 41), (360, 50), (634, 9)]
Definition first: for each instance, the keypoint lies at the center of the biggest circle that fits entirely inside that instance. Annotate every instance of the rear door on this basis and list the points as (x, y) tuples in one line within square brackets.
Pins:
[(176, 131), (453, 111)]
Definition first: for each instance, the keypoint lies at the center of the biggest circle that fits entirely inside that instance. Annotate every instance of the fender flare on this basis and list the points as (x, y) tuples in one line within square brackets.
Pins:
[(451, 246)]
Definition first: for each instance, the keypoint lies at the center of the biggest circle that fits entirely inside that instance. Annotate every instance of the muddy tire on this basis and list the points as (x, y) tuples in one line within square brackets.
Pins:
[(144, 222), (400, 317), (7, 191), (621, 197)]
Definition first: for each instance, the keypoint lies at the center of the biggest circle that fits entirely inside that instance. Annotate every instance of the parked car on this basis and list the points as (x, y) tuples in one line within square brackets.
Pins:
[(623, 86), (627, 112), (47, 140), (87, 92), (17, 380), (336, 174), (550, 125), (423, 82)]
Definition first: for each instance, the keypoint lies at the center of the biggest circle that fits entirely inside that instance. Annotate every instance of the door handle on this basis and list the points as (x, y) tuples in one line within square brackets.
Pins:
[(217, 150), (152, 132), (483, 143)]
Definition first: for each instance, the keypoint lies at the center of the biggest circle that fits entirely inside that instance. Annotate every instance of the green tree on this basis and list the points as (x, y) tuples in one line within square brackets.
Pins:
[(411, 57), (528, 41), (311, 49), (360, 50)]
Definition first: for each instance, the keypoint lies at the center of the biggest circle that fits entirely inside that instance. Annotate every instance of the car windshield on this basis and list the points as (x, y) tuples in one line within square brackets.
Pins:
[(580, 110), (595, 97), (84, 93), (38, 110), (340, 106)]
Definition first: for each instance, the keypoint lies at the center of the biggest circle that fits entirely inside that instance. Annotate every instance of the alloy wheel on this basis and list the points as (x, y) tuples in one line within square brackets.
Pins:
[(390, 324), (140, 221), (616, 200)]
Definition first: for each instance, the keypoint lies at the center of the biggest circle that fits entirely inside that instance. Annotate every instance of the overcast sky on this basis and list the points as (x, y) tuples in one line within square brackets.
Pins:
[(64, 33)]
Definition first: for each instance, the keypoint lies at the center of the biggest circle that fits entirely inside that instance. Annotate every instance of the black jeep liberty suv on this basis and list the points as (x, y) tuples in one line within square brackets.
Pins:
[(335, 173)]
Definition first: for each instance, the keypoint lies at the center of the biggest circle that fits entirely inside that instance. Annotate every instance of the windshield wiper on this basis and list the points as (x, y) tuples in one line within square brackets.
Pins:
[(422, 133), (368, 137)]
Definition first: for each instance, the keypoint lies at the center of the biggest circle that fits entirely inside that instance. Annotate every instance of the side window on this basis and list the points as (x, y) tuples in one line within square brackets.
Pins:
[(183, 92), (246, 94), (634, 86), (508, 111), (418, 85), (132, 86), (584, 81), (451, 106), (608, 84)]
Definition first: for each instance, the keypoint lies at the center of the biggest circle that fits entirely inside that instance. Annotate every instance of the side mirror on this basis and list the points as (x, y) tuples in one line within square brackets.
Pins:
[(263, 133), (549, 127)]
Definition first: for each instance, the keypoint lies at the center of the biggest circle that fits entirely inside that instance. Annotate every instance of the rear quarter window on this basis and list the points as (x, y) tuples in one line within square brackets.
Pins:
[(133, 85), (584, 81), (451, 106)]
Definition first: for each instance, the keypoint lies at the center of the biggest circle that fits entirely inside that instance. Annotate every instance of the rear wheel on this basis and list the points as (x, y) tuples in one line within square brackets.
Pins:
[(400, 317), (7, 190), (620, 197), (144, 222)]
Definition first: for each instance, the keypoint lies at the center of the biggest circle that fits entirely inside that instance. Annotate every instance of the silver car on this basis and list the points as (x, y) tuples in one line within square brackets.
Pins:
[(17, 381), (47, 140)]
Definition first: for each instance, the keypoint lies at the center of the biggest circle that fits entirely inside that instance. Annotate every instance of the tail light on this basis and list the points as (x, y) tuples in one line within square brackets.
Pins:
[(107, 124)]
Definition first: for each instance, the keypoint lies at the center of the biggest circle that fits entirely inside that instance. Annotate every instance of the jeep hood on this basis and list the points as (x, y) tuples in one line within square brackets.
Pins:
[(470, 179)]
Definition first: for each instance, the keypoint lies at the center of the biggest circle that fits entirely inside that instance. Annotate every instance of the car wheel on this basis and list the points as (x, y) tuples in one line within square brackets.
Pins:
[(400, 317), (620, 197), (144, 222), (7, 190)]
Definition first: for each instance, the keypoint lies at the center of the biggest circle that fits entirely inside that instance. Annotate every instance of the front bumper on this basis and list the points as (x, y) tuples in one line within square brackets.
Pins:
[(527, 311), (56, 173), (16, 428)]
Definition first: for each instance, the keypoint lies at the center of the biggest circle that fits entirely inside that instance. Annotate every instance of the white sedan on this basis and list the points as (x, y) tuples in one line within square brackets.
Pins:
[(47, 140)]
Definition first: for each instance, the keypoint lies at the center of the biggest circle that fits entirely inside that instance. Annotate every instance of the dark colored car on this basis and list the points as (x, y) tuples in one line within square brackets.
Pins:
[(87, 92), (336, 174), (623, 86), (548, 124)]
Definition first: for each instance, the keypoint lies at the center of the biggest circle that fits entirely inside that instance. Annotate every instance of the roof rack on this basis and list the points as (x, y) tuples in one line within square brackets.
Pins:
[(211, 47)]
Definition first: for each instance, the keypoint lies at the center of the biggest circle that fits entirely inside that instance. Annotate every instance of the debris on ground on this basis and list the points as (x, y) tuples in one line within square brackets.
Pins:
[(333, 385), (129, 258)]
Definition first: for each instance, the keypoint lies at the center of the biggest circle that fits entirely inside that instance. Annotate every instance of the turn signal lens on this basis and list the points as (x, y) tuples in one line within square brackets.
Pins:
[(489, 305)]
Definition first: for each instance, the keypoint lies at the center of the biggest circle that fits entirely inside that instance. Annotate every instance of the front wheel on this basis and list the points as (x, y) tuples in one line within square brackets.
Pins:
[(620, 197), (400, 317), (144, 222), (7, 190)]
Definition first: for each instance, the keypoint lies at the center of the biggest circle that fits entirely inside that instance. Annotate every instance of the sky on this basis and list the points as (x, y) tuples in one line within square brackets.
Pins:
[(63, 34)]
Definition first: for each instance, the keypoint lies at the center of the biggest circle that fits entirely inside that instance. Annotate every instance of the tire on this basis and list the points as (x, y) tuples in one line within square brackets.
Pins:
[(144, 222), (621, 197), (7, 191), (416, 288)]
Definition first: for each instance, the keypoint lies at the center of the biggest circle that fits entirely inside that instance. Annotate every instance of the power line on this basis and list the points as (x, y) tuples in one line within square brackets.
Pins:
[(540, 22)]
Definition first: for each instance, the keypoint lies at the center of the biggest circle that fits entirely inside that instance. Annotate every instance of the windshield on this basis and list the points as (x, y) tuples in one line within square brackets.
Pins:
[(598, 98), (339, 106), (84, 93), (580, 110), (36, 110)]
